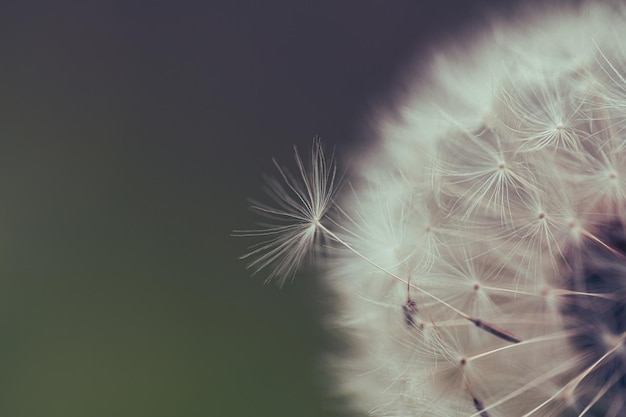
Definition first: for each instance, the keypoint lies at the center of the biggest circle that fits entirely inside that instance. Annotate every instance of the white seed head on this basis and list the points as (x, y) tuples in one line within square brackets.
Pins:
[(480, 253)]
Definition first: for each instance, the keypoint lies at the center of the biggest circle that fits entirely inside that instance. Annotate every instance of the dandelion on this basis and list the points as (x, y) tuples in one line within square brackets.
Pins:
[(480, 252)]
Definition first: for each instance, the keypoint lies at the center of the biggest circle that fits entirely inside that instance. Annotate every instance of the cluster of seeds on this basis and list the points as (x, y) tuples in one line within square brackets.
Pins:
[(480, 251)]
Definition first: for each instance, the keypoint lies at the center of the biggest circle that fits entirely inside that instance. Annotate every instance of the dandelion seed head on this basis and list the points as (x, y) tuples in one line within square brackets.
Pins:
[(479, 254), (517, 147)]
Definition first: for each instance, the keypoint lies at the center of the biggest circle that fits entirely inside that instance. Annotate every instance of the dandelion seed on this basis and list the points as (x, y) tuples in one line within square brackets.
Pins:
[(301, 203)]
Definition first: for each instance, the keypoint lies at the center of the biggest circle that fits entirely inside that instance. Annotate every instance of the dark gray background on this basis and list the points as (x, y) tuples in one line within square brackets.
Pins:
[(131, 135)]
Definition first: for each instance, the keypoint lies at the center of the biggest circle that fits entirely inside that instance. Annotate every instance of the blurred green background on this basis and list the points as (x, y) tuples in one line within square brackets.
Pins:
[(131, 135)]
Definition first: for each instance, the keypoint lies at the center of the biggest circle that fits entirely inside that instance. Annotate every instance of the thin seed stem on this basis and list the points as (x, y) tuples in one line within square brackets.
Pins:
[(571, 385), (604, 245), (389, 273), (554, 291), (488, 327), (522, 343), (536, 382), (616, 376)]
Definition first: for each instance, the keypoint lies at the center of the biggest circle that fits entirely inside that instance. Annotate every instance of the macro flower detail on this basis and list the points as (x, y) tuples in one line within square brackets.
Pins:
[(300, 203), (479, 253)]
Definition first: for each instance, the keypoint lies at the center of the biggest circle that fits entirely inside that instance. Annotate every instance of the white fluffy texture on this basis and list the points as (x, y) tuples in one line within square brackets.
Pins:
[(504, 164)]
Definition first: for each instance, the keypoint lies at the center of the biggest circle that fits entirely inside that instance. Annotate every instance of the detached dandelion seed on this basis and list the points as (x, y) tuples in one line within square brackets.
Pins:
[(480, 255), (300, 204)]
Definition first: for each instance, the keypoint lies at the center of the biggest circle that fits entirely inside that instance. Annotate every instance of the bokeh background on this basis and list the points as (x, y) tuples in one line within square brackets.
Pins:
[(131, 135)]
